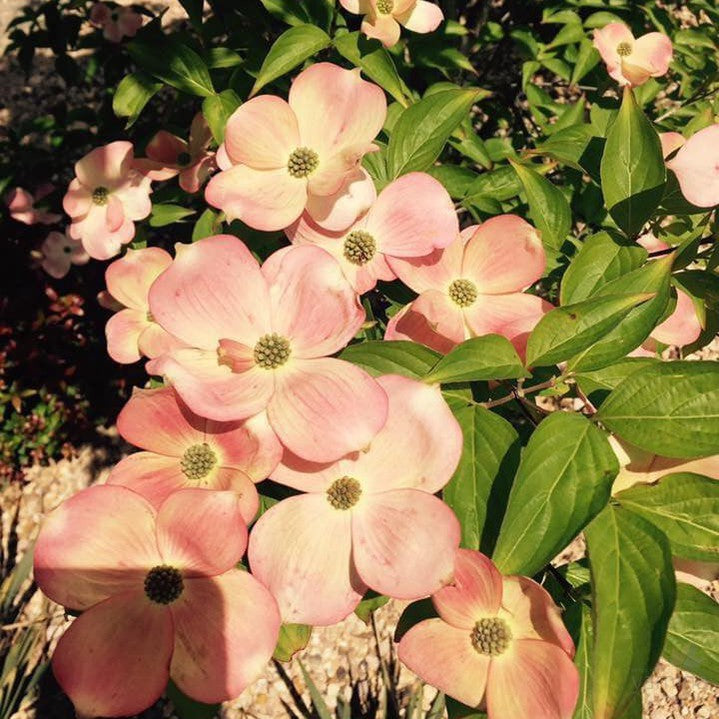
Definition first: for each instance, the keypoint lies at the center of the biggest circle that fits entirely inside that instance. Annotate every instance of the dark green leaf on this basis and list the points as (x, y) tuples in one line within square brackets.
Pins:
[(633, 172), (167, 214), (685, 506), (490, 455), (633, 589), (668, 408), (693, 637), (565, 331), (479, 358), (398, 357), (423, 129), (564, 481), (217, 110), (186, 708), (132, 94), (290, 49)]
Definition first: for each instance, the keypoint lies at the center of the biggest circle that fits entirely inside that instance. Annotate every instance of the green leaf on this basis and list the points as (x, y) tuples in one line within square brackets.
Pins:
[(685, 506), (375, 62), (132, 94), (633, 590), (318, 703), (193, 8), (565, 331), (633, 172), (597, 384), (423, 129), (397, 357), (565, 479), (669, 408), (578, 146), (601, 259), (548, 207), (490, 455), (222, 57), (693, 638), (299, 12), (293, 638), (173, 62), (167, 214), (501, 184), (369, 604), (639, 322), (207, 224), (290, 49), (186, 708), (457, 710), (479, 358), (579, 622), (217, 110)]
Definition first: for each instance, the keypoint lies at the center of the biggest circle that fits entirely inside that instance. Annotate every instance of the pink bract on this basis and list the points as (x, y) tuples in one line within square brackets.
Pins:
[(160, 597), (116, 22), (383, 17), (184, 450), (132, 332), (288, 157), (412, 216), (499, 643), (473, 287), (259, 338), (169, 155), (633, 61), (388, 531), (21, 204), (696, 166), (60, 252), (105, 198)]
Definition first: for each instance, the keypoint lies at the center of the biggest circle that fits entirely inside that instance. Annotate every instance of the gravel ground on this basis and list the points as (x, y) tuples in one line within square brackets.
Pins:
[(337, 658)]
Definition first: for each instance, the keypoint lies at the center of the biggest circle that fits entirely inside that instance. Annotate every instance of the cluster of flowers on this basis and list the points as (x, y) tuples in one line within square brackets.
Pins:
[(254, 391)]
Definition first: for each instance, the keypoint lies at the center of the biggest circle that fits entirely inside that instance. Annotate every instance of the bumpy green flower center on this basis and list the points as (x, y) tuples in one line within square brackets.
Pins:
[(197, 461), (624, 49), (359, 247), (100, 195), (163, 584), (463, 292), (303, 162), (184, 158), (385, 6), (272, 351), (344, 493), (491, 635)]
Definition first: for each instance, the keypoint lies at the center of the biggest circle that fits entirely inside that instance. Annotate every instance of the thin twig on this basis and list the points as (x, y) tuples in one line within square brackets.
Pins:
[(517, 394)]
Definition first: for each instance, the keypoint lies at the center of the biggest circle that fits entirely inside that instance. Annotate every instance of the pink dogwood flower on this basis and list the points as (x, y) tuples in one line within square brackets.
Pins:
[(412, 216), (169, 155), (288, 157), (696, 166), (116, 22), (60, 252), (185, 450), (21, 204), (382, 18), (474, 287), (633, 61), (132, 332), (259, 338), (160, 597), (499, 643), (105, 198), (386, 528)]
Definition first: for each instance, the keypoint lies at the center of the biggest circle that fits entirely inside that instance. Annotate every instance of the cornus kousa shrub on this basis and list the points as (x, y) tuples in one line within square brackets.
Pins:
[(402, 326)]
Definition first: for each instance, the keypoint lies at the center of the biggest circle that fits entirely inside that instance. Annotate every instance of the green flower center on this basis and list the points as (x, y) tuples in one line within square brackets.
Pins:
[(303, 162), (183, 158), (491, 635), (344, 493), (197, 461), (272, 351), (100, 195), (463, 292), (385, 6), (163, 584), (359, 247), (624, 49)]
